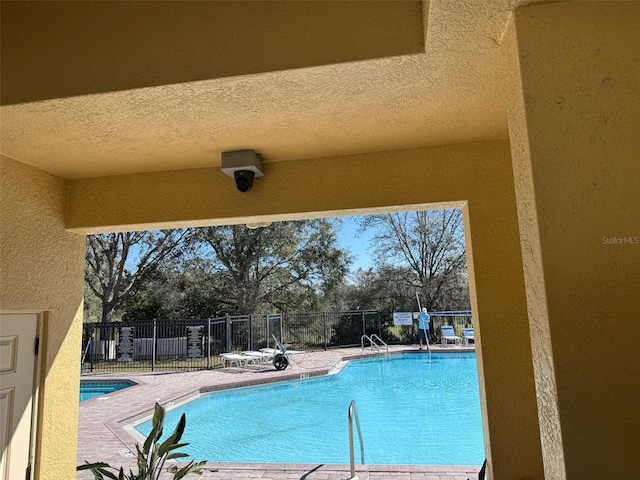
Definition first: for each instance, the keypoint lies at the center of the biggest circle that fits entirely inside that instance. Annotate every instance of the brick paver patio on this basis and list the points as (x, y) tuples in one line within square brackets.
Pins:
[(102, 435)]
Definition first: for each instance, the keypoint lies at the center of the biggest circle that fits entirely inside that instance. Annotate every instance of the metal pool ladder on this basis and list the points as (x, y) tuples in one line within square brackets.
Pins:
[(373, 344), (353, 412)]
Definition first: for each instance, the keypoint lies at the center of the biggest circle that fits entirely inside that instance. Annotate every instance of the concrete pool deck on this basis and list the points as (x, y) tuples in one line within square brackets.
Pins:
[(102, 435)]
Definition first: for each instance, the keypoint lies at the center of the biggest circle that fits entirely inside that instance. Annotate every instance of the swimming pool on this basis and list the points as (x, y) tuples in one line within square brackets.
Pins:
[(96, 388), (414, 410)]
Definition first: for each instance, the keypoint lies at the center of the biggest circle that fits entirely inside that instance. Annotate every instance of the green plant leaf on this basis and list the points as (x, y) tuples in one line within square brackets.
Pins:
[(142, 461), (157, 423), (191, 467), (91, 466), (175, 446), (152, 456), (175, 455), (107, 473), (174, 437), (99, 470)]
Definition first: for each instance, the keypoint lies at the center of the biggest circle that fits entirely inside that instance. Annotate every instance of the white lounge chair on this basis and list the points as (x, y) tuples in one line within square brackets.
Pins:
[(263, 356), (239, 360), (467, 336), (281, 348), (447, 334), (281, 354), (270, 351)]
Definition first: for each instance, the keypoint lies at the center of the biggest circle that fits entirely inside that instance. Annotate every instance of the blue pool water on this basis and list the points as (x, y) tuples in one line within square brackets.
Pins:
[(95, 388), (414, 410)]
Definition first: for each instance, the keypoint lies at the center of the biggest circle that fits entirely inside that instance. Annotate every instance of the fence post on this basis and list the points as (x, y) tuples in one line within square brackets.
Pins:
[(324, 329), (250, 332), (379, 326), (364, 327), (208, 343), (153, 346), (227, 348), (92, 349), (432, 329)]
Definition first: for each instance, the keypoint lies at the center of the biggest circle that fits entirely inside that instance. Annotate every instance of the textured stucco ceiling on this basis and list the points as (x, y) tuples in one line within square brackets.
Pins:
[(452, 91)]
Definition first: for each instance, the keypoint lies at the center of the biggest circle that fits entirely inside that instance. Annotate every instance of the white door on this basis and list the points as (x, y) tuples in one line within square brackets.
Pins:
[(18, 333)]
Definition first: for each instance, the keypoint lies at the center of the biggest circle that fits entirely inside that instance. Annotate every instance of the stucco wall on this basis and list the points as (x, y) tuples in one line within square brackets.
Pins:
[(42, 270), (477, 176), (577, 167)]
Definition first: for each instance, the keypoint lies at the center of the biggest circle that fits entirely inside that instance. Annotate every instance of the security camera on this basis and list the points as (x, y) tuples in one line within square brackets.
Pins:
[(243, 166), (244, 179)]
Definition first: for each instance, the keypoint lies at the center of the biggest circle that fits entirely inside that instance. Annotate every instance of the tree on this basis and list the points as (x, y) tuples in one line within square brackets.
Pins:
[(430, 246), (178, 289), (384, 288), (285, 266), (118, 263)]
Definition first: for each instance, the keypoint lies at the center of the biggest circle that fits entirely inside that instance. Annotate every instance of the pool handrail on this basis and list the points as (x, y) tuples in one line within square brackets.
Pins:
[(353, 412), (373, 344)]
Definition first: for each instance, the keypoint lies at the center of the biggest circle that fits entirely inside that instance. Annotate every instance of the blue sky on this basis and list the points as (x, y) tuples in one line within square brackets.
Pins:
[(356, 245)]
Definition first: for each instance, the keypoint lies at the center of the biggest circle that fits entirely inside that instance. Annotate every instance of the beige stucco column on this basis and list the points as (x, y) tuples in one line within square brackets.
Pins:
[(575, 135), (41, 271)]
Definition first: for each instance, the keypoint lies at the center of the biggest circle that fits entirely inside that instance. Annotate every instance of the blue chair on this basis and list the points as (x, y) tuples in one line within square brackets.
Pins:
[(447, 334), (467, 336)]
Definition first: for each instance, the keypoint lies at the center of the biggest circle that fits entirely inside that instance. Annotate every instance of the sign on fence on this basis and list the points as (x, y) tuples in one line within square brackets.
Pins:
[(126, 344), (195, 343), (402, 318)]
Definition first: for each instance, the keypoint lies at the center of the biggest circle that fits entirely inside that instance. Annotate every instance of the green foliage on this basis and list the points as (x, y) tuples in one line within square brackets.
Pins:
[(180, 289), (277, 268), (144, 306), (348, 329), (152, 456)]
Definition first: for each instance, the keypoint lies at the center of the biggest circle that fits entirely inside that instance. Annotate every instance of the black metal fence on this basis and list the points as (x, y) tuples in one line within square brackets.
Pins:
[(160, 345)]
